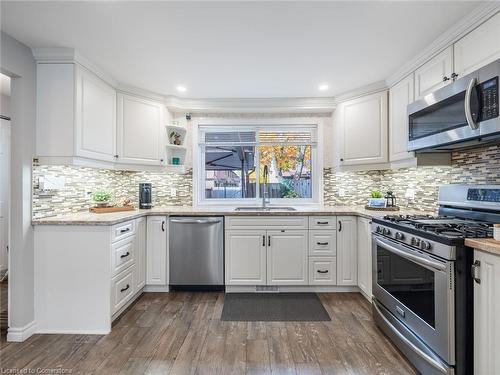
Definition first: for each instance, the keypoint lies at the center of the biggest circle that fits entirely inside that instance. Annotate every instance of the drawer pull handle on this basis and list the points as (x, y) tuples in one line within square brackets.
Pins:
[(125, 255), (322, 271), (124, 230), (124, 289), (263, 240), (322, 222), (322, 243)]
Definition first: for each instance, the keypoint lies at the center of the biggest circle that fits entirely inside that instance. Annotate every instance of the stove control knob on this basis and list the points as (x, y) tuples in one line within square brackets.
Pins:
[(426, 245), (415, 241), (378, 230), (386, 231), (400, 236)]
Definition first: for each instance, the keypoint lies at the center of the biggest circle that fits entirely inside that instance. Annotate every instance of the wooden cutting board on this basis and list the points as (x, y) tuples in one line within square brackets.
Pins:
[(106, 210)]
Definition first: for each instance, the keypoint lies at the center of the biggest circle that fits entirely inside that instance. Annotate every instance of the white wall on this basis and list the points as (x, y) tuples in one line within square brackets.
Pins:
[(4, 105), (17, 62)]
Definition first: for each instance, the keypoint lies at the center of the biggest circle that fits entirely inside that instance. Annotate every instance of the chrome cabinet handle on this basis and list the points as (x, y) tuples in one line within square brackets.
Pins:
[(475, 267), (322, 243), (322, 271), (124, 289), (468, 111), (124, 230), (125, 255)]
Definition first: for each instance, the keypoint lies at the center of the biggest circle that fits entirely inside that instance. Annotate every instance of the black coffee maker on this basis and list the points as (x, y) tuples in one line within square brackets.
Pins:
[(145, 195)]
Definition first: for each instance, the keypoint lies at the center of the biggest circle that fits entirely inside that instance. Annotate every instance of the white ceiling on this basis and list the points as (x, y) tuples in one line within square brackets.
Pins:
[(238, 49)]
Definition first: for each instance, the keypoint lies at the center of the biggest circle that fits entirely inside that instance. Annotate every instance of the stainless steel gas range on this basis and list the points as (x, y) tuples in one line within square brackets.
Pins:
[(422, 282)]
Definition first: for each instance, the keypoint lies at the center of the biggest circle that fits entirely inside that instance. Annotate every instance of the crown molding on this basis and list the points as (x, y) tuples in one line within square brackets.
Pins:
[(251, 105), (361, 91), (476, 17)]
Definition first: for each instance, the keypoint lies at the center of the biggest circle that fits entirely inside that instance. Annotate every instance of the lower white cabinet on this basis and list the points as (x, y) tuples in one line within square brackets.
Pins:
[(347, 267), (245, 257), (122, 289), (156, 254), (322, 270), (365, 256), (287, 252), (140, 244), (486, 308)]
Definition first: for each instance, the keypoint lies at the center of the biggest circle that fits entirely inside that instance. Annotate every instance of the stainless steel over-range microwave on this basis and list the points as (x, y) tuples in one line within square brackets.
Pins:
[(461, 113)]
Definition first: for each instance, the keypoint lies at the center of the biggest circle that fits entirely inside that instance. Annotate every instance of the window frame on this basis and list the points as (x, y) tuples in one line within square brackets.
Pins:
[(256, 124)]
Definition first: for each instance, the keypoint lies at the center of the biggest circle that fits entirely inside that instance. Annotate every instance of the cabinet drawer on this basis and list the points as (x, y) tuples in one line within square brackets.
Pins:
[(122, 255), (322, 270), (322, 242), (265, 222), (122, 289), (122, 230), (322, 222)]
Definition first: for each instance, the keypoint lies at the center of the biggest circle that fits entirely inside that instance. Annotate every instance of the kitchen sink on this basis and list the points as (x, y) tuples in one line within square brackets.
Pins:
[(263, 209)]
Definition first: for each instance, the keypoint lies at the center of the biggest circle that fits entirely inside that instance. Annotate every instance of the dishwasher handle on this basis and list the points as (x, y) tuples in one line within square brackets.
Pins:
[(196, 221)]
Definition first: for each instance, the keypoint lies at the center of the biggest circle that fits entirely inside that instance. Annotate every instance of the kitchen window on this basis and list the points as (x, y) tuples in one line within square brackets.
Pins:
[(233, 159)]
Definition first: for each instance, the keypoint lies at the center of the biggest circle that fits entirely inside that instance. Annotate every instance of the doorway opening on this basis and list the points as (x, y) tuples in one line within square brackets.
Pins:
[(5, 155)]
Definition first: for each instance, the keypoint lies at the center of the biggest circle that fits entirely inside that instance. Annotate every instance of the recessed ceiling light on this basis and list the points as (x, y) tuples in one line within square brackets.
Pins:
[(323, 87), (181, 88)]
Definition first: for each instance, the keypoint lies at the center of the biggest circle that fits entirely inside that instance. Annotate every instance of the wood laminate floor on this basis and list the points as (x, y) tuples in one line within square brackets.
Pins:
[(181, 333)]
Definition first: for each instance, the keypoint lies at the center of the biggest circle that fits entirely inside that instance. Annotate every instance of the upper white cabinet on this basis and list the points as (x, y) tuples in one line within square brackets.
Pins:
[(486, 308), (156, 252), (434, 74), (362, 130), (76, 114), (347, 254), (140, 129), (479, 47), (365, 256), (400, 95), (96, 117), (287, 257)]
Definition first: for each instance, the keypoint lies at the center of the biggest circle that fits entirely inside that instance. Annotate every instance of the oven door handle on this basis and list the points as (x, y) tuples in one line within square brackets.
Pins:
[(468, 111), (414, 258)]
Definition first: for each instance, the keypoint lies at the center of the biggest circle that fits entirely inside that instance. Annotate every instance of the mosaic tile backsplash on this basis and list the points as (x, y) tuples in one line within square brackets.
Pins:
[(474, 166)]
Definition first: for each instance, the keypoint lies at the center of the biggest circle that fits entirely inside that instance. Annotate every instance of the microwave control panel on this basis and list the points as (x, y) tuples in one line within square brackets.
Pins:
[(489, 95)]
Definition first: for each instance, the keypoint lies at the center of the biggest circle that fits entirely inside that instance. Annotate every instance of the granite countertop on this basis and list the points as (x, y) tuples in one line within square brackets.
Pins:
[(88, 218), (484, 244)]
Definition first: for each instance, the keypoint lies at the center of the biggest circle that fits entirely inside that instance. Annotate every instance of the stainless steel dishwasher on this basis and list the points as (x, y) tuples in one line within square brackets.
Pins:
[(196, 253)]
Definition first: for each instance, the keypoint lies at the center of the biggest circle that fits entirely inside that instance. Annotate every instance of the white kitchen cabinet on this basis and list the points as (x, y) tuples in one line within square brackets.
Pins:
[(434, 74), (322, 270), (400, 95), (365, 256), (347, 266), (95, 117), (76, 114), (156, 253), (478, 48), (140, 245), (140, 130), (362, 130), (486, 308), (287, 257), (245, 257)]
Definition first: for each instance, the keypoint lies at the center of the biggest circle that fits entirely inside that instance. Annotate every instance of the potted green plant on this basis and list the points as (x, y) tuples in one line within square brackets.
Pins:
[(175, 138), (101, 198)]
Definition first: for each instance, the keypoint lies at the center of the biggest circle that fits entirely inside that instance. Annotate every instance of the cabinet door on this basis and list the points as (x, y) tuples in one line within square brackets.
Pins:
[(363, 130), (287, 262), (140, 131), (245, 257), (347, 266), (434, 74), (478, 48), (400, 96), (365, 256), (486, 308), (95, 117), (156, 254), (140, 253)]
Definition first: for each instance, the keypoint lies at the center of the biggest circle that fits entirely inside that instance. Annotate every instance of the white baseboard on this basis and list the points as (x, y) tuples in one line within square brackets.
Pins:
[(20, 334), (73, 332), (156, 288), (294, 289)]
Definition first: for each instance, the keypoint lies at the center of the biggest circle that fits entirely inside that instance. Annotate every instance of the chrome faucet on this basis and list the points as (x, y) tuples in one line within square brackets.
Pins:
[(265, 193)]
